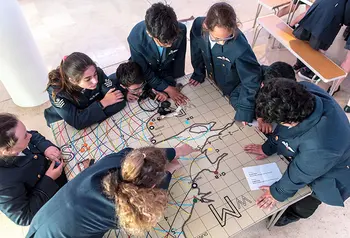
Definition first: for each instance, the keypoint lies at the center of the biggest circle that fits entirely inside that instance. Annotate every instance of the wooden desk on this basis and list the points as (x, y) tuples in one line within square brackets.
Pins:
[(323, 67)]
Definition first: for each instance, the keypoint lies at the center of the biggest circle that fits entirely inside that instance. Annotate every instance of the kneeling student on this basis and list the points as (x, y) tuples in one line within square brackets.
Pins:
[(313, 133), (123, 190), (158, 45), (27, 179), (81, 93)]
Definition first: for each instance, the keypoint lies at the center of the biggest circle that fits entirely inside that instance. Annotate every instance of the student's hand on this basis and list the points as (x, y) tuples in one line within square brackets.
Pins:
[(255, 149), (264, 127), (174, 94), (53, 153), (131, 97), (85, 163), (53, 172), (193, 82), (184, 150), (266, 200), (161, 97), (173, 166), (244, 123), (112, 97)]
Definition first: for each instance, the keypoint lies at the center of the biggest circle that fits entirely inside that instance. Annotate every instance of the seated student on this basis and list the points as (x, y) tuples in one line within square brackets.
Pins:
[(285, 10), (130, 77), (319, 27), (81, 94), (313, 133), (221, 49), (158, 45), (123, 190), (27, 179)]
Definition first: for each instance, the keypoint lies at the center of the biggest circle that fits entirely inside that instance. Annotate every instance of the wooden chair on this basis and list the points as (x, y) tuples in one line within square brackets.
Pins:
[(322, 66)]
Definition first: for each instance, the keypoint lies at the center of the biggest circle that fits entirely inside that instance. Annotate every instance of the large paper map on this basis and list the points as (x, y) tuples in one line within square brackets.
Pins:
[(209, 196)]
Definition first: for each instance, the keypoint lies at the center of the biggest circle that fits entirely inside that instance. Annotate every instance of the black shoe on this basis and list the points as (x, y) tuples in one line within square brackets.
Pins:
[(298, 65), (306, 74), (285, 220), (329, 89), (347, 109)]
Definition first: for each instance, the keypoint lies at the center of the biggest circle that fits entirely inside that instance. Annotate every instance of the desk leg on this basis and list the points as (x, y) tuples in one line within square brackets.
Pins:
[(256, 34), (275, 218), (290, 11), (295, 9), (258, 10)]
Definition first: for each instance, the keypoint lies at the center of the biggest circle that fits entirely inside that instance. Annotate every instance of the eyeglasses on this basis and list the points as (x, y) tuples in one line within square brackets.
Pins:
[(213, 39), (137, 90)]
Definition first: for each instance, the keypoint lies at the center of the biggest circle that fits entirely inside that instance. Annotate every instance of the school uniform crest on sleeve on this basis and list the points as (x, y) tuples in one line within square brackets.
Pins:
[(59, 102), (108, 83)]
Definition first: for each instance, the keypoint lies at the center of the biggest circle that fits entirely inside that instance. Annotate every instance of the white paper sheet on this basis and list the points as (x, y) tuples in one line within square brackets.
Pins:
[(262, 175)]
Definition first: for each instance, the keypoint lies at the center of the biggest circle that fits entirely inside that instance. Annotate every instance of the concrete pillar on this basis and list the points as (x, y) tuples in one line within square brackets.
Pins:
[(22, 69)]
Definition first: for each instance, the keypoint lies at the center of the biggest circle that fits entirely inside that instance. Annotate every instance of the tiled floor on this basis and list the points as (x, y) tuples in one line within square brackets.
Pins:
[(100, 29)]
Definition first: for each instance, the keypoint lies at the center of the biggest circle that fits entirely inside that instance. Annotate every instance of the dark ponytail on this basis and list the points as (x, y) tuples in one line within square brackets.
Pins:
[(8, 123), (69, 73), (222, 15)]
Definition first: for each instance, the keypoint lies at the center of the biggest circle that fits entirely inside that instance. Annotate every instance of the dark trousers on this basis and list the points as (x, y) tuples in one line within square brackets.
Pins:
[(303, 209)]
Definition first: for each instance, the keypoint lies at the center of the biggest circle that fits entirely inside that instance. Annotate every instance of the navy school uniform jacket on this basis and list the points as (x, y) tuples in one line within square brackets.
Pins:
[(80, 209), (24, 187), (319, 150), (324, 19), (160, 71), (87, 110), (233, 67)]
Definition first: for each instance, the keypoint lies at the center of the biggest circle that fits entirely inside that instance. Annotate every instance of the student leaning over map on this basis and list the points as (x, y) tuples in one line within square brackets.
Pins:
[(81, 93), (122, 190), (313, 132)]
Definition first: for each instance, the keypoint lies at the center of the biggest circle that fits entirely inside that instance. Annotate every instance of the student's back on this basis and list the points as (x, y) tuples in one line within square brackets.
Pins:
[(80, 209), (125, 190)]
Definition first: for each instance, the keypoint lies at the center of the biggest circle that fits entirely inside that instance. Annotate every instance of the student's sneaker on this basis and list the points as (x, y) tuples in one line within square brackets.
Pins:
[(329, 89), (347, 109), (306, 74)]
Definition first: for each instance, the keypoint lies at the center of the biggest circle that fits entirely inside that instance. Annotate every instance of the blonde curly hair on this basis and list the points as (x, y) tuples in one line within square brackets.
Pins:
[(139, 205)]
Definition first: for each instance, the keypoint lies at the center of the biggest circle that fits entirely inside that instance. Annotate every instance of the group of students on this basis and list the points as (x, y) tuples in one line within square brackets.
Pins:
[(127, 189)]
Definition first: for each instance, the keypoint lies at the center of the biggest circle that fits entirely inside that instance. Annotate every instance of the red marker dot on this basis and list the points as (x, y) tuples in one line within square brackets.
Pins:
[(216, 172)]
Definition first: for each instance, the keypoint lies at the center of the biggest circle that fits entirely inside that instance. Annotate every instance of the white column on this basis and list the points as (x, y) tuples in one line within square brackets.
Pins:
[(22, 69)]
